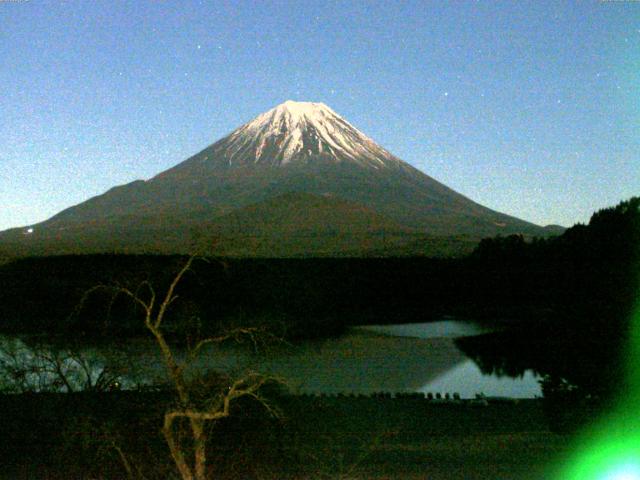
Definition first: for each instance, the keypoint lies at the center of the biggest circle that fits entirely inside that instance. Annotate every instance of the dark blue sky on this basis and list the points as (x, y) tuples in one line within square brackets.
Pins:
[(530, 108)]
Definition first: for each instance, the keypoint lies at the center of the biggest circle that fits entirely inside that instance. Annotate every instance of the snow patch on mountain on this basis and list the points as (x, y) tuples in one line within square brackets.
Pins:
[(294, 130)]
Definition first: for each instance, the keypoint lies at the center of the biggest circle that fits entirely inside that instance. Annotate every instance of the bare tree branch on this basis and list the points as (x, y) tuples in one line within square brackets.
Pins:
[(190, 457)]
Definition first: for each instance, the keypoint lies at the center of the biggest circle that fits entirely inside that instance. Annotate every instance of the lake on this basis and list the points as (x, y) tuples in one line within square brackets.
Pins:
[(382, 358)]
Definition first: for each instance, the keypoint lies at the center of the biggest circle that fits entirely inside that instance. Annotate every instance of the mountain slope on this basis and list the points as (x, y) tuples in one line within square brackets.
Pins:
[(298, 224), (296, 147)]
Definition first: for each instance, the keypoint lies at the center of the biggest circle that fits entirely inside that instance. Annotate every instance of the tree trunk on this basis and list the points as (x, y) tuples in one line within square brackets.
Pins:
[(175, 448), (199, 446)]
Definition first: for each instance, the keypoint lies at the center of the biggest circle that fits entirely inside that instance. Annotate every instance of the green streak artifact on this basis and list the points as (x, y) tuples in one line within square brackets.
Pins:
[(611, 449)]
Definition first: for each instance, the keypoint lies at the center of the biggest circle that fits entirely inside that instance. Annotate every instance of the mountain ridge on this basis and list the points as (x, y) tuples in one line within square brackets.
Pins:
[(296, 147)]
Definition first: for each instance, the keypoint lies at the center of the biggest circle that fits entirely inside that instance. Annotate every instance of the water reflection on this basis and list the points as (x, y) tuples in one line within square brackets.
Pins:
[(384, 358), (366, 362), (468, 380), (441, 329)]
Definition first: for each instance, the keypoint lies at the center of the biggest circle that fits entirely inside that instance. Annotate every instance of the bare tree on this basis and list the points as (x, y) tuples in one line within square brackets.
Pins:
[(190, 457), (49, 368)]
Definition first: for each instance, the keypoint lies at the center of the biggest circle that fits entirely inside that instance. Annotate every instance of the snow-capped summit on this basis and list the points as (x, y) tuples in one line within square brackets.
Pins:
[(300, 132)]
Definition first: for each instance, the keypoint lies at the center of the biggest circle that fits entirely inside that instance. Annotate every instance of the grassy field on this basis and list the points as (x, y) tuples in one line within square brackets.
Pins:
[(58, 436), (412, 438)]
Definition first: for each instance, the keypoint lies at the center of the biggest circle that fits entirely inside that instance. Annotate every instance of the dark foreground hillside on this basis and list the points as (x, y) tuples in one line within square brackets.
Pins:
[(86, 436)]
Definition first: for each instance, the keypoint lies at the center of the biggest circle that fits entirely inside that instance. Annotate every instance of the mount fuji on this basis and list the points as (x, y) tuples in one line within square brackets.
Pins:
[(298, 180)]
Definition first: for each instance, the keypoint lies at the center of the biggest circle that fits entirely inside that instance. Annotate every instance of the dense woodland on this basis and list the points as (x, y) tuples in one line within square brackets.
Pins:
[(587, 283)]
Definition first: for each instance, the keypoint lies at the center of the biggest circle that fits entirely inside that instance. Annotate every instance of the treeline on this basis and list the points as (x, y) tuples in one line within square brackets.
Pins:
[(305, 297), (588, 270), (587, 283)]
